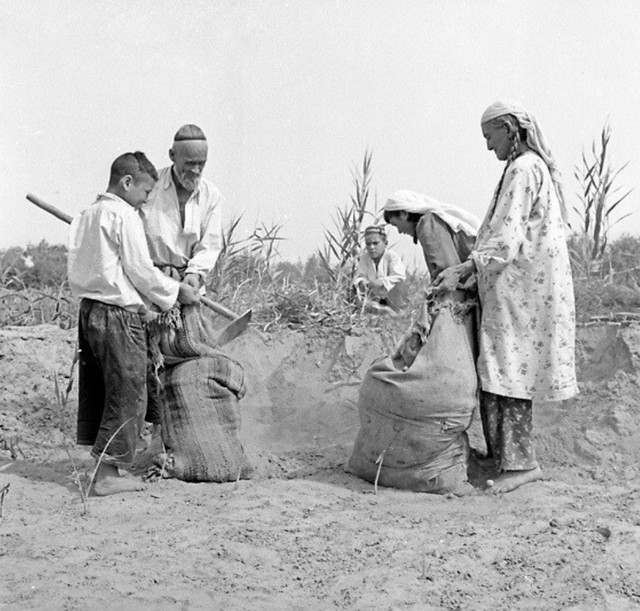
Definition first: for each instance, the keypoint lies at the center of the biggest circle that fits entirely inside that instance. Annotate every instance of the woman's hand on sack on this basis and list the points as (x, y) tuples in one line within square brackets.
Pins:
[(448, 280), (471, 283)]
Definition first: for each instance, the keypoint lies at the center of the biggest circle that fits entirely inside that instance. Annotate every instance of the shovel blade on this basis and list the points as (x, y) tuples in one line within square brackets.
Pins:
[(233, 329)]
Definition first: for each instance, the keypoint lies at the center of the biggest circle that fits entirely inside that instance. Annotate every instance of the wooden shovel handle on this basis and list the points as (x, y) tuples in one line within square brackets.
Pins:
[(217, 308), (63, 216)]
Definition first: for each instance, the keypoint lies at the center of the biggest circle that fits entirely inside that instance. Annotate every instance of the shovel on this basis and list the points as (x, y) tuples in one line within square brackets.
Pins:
[(238, 323)]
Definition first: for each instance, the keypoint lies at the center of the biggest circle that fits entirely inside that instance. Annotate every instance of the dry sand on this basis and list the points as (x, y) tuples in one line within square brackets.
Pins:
[(304, 534)]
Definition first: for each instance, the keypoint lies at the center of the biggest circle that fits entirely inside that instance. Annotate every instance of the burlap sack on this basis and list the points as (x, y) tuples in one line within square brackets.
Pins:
[(413, 420), (201, 420), (188, 334)]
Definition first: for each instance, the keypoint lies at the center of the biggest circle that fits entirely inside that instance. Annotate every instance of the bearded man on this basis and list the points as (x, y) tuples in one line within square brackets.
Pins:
[(183, 224), (182, 216)]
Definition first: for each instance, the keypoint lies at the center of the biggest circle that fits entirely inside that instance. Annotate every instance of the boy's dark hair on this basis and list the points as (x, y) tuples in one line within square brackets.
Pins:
[(133, 164), (412, 217)]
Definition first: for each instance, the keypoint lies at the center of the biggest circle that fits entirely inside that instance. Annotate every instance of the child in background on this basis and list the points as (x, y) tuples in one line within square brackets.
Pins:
[(381, 274), (110, 270)]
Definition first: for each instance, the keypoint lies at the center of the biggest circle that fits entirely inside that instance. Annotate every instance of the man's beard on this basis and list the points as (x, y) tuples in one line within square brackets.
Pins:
[(187, 182)]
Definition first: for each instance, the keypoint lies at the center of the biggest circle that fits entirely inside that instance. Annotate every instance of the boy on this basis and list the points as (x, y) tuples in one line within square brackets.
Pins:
[(110, 270), (381, 274)]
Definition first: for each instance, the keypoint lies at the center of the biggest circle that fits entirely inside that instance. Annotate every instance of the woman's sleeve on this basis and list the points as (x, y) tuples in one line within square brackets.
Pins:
[(503, 239), (437, 244)]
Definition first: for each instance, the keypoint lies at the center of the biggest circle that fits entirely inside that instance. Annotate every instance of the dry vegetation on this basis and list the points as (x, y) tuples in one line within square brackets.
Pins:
[(251, 274)]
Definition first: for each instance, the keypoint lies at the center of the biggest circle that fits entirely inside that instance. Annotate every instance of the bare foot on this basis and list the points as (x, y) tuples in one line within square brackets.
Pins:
[(463, 489), (116, 485), (107, 481), (506, 482)]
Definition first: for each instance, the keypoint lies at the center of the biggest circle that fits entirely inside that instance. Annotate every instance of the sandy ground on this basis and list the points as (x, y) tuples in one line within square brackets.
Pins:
[(304, 534)]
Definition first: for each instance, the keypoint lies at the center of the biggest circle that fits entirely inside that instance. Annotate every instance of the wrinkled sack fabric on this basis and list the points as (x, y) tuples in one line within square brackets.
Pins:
[(201, 390), (413, 421), (183, 332), (201, 420)]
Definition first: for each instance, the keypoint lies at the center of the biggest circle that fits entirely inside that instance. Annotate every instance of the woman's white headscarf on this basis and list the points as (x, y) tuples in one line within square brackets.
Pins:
[(456, 218), (535, 140)]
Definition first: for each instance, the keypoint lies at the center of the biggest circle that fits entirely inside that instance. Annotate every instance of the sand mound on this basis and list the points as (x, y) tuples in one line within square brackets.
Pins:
[(303, 390)]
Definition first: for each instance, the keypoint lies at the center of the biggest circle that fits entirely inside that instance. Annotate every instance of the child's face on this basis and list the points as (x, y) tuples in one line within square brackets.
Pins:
[(137, 191), (375, 245)]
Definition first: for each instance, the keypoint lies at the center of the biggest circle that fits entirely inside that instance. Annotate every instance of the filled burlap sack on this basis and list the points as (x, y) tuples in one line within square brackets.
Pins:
[(200, 419), (413, 419)]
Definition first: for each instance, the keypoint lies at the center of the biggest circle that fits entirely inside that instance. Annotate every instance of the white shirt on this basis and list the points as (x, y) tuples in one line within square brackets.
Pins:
[(390, 270), (195, 247), (109, 261)]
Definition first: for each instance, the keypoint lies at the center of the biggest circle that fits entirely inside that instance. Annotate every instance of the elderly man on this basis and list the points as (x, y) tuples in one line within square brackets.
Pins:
[(182, 217), (182, 222)]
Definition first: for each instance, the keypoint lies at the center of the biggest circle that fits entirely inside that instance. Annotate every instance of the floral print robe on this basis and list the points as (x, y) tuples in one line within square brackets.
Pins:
[(527, 333)]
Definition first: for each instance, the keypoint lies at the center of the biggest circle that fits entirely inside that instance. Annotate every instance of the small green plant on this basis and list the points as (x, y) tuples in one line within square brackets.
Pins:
[(62, 396), (83, 481), (12, 445), (3, 492), (80, 479), (12, 266)]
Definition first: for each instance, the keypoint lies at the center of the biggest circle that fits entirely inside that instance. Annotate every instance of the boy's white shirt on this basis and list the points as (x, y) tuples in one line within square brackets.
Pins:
[(109, 259), (390, 270)]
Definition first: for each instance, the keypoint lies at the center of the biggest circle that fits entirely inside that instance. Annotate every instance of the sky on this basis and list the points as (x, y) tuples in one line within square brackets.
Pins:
[(292, 93)]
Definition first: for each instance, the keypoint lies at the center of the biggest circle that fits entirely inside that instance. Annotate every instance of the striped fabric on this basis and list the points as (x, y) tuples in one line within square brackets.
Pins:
[(201, 420)]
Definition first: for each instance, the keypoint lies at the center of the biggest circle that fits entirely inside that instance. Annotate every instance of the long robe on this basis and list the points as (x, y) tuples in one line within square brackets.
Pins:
[(527, 333)]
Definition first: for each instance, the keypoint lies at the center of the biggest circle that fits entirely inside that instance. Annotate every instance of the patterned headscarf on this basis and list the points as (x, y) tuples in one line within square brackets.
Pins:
[(456, 218), (535, 140)]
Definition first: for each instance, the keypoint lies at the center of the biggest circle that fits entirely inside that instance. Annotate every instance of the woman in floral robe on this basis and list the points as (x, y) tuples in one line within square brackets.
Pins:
[(526, 293)]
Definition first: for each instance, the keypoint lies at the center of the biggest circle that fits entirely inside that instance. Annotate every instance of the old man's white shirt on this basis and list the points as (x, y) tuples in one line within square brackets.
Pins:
[(194, 247)]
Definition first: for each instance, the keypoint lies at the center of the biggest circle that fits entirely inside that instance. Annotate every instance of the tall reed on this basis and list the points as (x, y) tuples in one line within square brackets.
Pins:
[(339, 255), (600, 199)]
